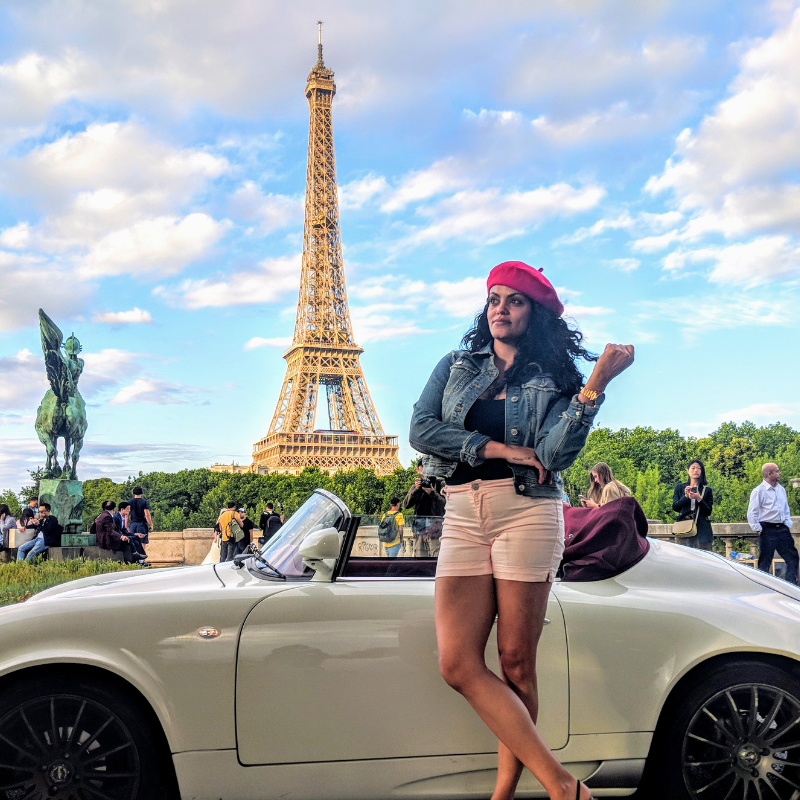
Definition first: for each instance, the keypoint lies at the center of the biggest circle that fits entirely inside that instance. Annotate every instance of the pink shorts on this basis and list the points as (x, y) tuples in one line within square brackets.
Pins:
[(489, 529)]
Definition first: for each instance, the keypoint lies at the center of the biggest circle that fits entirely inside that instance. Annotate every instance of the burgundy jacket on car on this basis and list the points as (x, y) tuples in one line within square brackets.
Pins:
[(603, 542)]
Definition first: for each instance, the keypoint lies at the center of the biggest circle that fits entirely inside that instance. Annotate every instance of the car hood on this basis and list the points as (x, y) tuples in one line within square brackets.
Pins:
[(183, 579)]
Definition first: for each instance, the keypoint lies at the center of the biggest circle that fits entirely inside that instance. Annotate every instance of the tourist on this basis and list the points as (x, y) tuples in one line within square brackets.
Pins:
[(390, 530), (603, 487), (48, 534), (227, 530), (108, 536), (515, 385), (269, 523), (27, 521), (121, 524), (425, 497), (768, 514), (248, 526), (7, 524), (140, 522), (695, 500)]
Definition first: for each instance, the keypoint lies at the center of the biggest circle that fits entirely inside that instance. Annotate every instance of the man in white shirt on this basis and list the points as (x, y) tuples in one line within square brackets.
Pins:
[(769, 515)]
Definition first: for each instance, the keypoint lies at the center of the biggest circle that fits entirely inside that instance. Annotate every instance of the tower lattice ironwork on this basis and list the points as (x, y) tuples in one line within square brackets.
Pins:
[(323, 351)]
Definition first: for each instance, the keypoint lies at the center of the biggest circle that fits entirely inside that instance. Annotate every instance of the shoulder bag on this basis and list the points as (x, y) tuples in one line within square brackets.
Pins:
[(688, 527)]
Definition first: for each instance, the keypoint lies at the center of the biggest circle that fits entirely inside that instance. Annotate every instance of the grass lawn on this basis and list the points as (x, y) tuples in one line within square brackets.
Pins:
[(21, 579)]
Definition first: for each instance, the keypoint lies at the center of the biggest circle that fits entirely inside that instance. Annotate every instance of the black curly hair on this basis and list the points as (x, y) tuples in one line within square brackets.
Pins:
[(548, 342)]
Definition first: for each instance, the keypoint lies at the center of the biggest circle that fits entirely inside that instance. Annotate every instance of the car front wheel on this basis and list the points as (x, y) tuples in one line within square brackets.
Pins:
[(734, 736), (74, 740)]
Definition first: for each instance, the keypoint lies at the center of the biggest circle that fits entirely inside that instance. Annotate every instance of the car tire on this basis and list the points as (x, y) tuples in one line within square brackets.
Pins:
[(733, 734), (63, 736)]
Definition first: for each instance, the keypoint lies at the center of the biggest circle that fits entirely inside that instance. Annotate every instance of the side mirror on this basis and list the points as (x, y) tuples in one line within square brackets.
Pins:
[(320, 544), (319, 551)]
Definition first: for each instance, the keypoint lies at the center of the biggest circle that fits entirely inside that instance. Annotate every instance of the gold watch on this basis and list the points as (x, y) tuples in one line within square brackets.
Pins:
[(589, 393)]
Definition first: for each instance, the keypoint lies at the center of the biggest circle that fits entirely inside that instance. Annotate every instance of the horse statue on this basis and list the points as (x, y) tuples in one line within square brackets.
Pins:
[(62, 412)]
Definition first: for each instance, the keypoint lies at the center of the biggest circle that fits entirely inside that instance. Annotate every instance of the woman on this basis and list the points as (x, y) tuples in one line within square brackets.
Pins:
[(604, 487), (499, 420), (7, 524), (686, 499)]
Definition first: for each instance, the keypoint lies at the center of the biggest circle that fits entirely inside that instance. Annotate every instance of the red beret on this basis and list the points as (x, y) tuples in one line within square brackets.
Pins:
[(529, 281)]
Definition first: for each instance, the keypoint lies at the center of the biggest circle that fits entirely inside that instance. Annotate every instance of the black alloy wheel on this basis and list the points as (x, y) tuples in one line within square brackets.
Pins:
[(77, 744), (736, 736)]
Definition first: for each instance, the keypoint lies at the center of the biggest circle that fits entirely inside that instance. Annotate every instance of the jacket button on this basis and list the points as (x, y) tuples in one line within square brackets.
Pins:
[(514, 431), (514, 399), (521, 487)]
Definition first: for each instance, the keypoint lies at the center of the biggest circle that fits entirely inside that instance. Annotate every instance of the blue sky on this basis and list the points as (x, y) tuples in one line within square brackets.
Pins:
[(152, 167)]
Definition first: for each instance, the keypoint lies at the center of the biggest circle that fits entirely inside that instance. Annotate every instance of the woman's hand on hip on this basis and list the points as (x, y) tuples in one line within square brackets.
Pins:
[(526, 457)]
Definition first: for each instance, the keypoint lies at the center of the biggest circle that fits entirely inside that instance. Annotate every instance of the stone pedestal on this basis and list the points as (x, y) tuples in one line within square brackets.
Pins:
[(66, 502)]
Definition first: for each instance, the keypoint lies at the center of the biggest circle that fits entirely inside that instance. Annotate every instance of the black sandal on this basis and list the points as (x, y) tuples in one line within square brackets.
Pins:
[(578, 791)]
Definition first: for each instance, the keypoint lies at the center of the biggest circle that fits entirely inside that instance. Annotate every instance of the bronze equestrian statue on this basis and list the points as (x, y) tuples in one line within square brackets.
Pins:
[(62, 412)]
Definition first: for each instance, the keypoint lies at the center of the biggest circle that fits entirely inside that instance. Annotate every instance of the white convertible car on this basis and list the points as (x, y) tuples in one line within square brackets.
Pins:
[(311, 674)]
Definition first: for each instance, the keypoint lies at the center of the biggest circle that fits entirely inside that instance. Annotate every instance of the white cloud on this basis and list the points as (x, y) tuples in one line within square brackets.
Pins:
[(24, 380), (672, 54), (463, 298), (720, 313), (30, 85), (612, 123), (361, 191), (493, 117), (136, 316), (258, 341), (16, 237), (652, 244), (154, 392), (441, 177), (107, 369), (381, 321), (273, 211), (743, 153), (625, 264), (763, 260), (164, 246), (761, 412), (644, 221), (490, 215), (122, 156), (55, 288), (275, 278)]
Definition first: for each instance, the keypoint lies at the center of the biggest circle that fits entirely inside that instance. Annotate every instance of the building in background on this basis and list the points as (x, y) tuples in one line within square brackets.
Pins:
[(323, 351)]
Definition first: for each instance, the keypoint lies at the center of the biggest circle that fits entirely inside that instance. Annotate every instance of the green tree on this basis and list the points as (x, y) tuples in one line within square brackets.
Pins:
[(31, 491), (653, 495), (12, 501)]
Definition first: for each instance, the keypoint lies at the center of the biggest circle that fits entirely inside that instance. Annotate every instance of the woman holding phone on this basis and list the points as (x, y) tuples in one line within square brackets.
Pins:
[(499, 419), (695, 499)]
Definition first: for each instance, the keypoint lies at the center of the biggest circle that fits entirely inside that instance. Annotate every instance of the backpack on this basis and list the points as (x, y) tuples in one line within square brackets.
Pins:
[(387, 530)]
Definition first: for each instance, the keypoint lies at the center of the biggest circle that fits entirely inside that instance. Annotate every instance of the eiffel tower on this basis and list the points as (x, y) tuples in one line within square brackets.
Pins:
[(323, 351)]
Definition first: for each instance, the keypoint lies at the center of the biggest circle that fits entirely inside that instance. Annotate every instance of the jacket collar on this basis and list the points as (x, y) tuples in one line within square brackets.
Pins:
[(487, 350)]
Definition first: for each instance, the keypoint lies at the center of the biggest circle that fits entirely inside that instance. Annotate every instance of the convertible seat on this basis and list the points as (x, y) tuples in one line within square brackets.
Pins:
[(603, 542)]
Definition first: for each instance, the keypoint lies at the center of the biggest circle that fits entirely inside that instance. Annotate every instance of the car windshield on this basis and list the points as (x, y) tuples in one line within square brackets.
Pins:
[(319, 511)]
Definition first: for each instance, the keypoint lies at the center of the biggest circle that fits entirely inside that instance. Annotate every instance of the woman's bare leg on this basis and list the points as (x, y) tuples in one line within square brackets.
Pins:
[(521, 612), (465, 609)]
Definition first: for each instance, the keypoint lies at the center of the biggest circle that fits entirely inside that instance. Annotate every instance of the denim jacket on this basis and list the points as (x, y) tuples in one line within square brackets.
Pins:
[(538, 415)]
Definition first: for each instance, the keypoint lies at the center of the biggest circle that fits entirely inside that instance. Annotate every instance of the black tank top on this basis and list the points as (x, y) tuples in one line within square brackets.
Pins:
[(489, 418)]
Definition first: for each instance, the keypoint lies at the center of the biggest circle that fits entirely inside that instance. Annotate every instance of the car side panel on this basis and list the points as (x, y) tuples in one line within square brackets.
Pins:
[(349, 671), (149, 639), (209, 776), (632, 638)]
